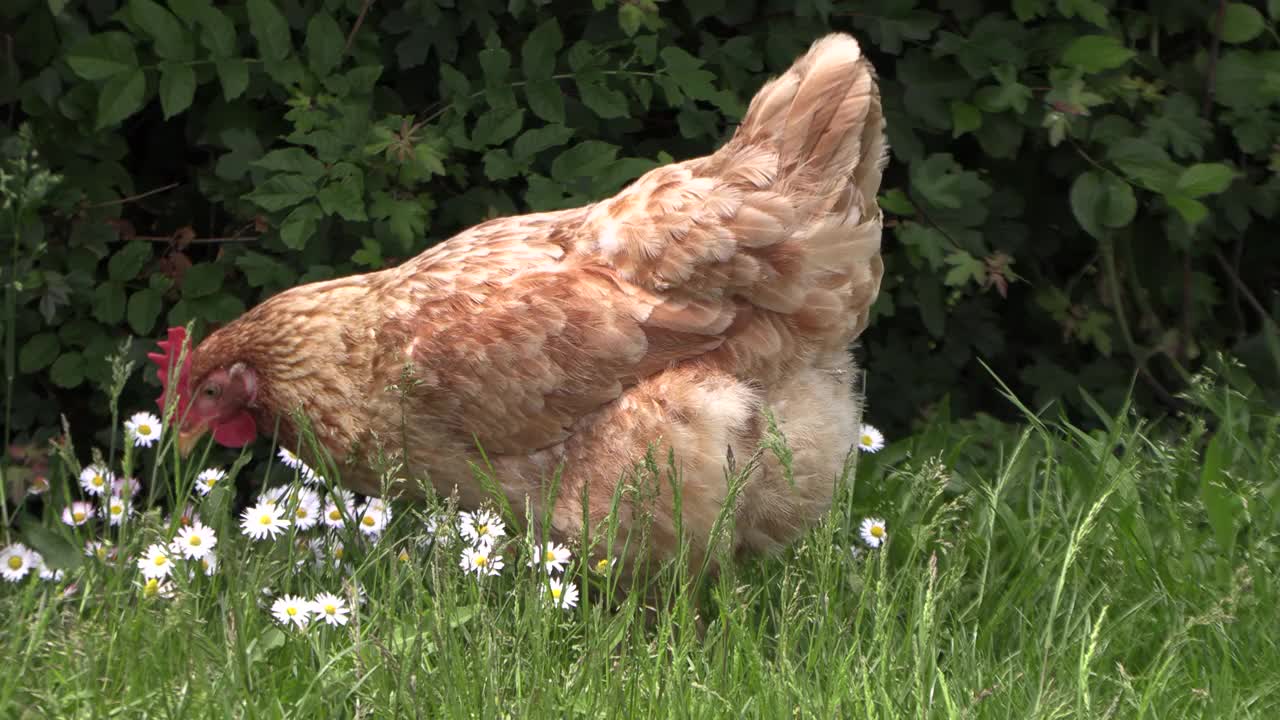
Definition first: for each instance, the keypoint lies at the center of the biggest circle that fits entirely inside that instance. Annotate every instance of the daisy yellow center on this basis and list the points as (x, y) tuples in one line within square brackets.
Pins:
[(194, 541), (482, 529), (549, 556), (204, 564), (78, 515), (144, 430), (151, 588), (292, 611), (97, 481), (117, 509), (15, 563), (403, 556), (555, 592), (101, 552), (866, 440), (160, 560), (481, 560), (266, 519), (211, 481), (602, 564), (301, 512), (877, 531), (329, 609), (368, 521), (337, 552), (335, 514)]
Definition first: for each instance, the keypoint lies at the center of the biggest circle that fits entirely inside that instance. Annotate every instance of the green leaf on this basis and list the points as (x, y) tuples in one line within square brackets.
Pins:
[(945, 184), (498, 165), (57, 552), (220, 308), (582, 160), (1091, 10), (201, 280), (109, 302), (369, 255), (1219, 502), (497, 126), (68, 370), (1204, 179), (233, 73), (1144, 162), (281, 191), (546, 100), (177, 88), (539, 139), (344, 194), (121, 97), (687, 70), (38, 352), (291, 160), (964, 118), (98, 57), (263, 270), (270, 29), (127, 262), (1095, 53), (538, 55), (1240, 24), (1192, 211), (219, 32), (171, 41), (325, 44), (964, 268), (300, 226), (1102, 200), (895, 201), (408, 218), (144, 308), (604, 101)]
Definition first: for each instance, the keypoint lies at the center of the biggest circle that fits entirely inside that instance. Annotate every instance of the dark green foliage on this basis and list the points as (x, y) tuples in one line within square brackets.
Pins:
[(1077, 191)]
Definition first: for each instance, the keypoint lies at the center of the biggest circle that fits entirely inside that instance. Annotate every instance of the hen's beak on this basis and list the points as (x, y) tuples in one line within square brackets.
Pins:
[(188, 437)]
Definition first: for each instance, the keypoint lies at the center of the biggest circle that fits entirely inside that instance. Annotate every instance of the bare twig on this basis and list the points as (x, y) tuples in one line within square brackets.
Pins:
[(1245, 291), (1211, 71), (135, 198), (196, 241), (351, 36)]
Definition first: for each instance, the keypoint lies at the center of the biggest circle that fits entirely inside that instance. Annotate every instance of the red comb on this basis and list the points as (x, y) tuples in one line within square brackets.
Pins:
[(167, 361)]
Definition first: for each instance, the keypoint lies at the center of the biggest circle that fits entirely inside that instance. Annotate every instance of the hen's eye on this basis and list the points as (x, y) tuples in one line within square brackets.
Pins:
[(212, 391)]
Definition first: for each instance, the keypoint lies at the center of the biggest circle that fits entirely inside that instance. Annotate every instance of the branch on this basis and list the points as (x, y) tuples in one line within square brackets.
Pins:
[(135, 198), (1211, 72), (196, 241), (351, 36), (1244, 290)]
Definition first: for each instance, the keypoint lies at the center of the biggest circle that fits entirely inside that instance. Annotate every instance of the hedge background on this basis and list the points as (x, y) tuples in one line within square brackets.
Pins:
[(1078, 193)]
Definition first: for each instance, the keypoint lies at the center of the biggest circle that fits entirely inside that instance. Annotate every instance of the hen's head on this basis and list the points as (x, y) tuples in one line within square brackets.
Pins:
[(214, 394)]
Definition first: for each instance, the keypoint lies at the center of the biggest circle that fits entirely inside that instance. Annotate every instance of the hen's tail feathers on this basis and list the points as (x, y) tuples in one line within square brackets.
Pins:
[(824, 120)]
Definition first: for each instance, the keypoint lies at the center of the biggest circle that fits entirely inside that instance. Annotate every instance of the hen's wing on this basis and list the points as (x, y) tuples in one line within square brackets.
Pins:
[(752, 259)]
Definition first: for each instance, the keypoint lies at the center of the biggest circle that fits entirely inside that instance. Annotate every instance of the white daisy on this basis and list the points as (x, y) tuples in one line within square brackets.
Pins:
[(117, 509), (873, 532), (328, 551), (291, 610), (263, 520), (16, 561), (309, 476), (561, 595), (482, 527), (330, 608), (96, 549), (604, 565), (870, 439), (439, 527), (145, 428), (208, 479), (274, 495), (126, 487), (194, 542), (290, 460), (336, 517), (481, 561), (156, 562), (95, 480), (156, 587), (373, 517), (552, 557), (306, 508), (209, 564), (78, 513)]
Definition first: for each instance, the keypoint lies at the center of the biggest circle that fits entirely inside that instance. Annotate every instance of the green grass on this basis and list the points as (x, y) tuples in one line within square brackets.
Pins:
[(1033, 572)]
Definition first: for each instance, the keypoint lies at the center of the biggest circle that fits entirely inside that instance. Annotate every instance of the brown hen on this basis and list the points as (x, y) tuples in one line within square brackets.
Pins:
[(665, 319)]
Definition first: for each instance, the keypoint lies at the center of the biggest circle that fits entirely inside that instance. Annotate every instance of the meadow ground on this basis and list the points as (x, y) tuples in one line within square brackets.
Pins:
[(1039, 571)]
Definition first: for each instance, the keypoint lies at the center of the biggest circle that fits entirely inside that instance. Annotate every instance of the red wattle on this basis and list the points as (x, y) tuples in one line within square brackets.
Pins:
[(236, 432)]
